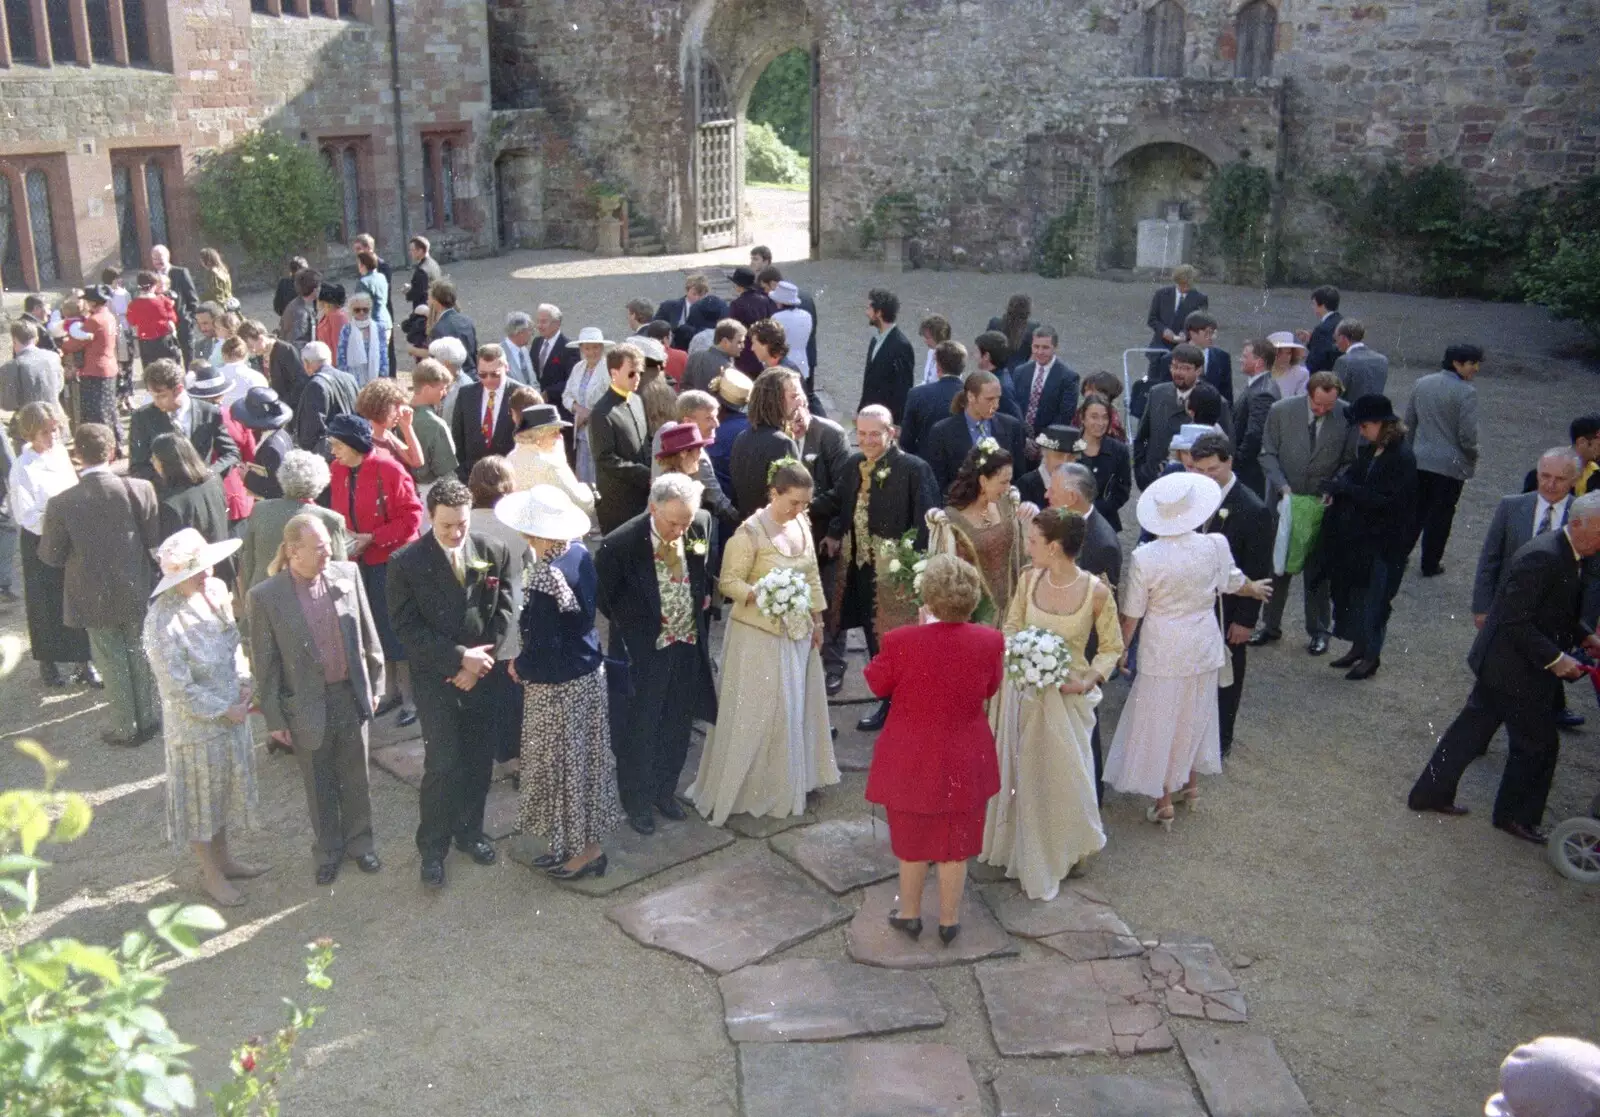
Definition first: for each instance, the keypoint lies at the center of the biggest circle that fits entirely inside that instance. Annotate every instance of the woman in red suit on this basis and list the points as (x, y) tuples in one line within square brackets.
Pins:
[(934, 768)]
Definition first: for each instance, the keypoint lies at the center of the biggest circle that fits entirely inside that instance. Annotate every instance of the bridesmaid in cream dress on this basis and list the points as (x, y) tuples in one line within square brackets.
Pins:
[(772, 743), (984, 522), (1045, 820), (539, 458)]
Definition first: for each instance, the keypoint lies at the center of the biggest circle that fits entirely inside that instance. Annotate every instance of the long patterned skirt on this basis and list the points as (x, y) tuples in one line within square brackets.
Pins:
[(569, 774)]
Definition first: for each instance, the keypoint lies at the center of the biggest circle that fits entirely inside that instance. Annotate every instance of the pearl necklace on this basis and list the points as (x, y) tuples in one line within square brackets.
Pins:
[(1055, 586)]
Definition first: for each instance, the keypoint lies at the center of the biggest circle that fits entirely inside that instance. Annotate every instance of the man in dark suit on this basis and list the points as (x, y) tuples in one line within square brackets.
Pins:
[(899, 488), (482, 423), (180, 285), (448, 321), (1521, 657), (1321, 352), (1250, 412), (698, 310), (327, 392), (824, 452), (619, 441), (1166, 410), (318, 668), (102, 531), (655, 591), (993, 348), (424, 270), (978, 417), (35, 311), (929, 404), (1171, 306), (748, 307), (1046, 388), (172, 410), (1216, 366), (280, 361), (1362, 371), (450, 603), (890, 359), (1246, 522)]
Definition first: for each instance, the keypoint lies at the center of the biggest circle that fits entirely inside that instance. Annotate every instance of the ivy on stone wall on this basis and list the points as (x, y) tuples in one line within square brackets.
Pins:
[(1238, 204), (1058, 252), (893, 213), (266, 196)]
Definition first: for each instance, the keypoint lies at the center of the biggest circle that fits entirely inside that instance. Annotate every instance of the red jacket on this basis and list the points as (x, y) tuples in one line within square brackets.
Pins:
[(152, 317), (100, 351), (387, 506), (936, 754), (239, 499)]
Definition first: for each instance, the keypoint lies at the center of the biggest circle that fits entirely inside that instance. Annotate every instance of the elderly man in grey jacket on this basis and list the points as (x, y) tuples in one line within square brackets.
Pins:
[(1442, 425), (1362, 371)]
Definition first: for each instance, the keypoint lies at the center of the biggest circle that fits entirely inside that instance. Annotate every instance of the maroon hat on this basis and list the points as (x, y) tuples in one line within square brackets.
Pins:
[(678, 437)]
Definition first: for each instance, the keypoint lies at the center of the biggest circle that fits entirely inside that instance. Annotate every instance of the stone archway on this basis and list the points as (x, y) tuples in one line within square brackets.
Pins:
[(1147, 182)]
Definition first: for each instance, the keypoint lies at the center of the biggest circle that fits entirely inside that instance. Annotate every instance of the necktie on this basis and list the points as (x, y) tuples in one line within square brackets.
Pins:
[(668, 554), (488, 419), (544, 354), (1312, 430), (683, 312), (458, 566), (1034, 395), (1547, 521)]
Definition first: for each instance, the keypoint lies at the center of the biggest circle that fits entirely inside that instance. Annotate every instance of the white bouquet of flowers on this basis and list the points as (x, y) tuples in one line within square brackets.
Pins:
[(1037, 660), (783, 594)]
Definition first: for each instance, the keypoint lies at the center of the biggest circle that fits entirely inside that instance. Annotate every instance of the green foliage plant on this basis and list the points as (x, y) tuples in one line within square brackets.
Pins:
[(1238, 205), (781, 99), (267, 195), (896, 212), (768, 159), (1058, 247)]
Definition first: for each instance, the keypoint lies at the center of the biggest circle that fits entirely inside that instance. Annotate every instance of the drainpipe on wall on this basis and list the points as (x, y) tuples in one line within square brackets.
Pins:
[(399, 127)]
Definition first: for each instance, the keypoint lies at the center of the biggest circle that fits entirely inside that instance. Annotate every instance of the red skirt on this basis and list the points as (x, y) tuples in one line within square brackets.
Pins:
[(936, 837)]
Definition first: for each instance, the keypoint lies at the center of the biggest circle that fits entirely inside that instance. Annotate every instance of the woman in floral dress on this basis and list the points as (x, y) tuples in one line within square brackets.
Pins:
[(200, 670), (983, 523), (772, 744)]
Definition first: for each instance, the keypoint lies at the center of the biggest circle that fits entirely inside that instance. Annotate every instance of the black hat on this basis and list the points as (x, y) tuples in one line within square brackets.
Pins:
[(742, 277), (540, 415), (332, 294), (1058, 437), (260, 409), (1372, 409), (99, 293), (354, 431), (205, 382)]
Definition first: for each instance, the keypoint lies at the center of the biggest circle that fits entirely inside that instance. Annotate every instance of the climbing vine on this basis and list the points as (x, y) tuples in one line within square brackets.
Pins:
[(1238, 204), (1058, 248), (891, 213)]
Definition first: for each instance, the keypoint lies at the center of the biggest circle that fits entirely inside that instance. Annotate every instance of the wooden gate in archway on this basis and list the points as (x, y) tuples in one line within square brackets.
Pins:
[(716, 154)]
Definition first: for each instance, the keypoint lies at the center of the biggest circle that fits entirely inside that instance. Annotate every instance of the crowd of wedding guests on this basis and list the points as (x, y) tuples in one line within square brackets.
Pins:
[(332, 547)]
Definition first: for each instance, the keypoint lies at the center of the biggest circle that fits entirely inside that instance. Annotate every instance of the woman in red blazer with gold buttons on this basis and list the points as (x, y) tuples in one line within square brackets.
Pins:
[(934, 768)]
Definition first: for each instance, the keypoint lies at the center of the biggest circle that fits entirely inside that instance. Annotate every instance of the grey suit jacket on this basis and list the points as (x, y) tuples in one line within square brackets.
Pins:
[(1164, 413), (289, 680), (102, 531), (32, 376), (1102, 551), (1442, 425), (1286, 454), (1363, 372), (1511, 527)]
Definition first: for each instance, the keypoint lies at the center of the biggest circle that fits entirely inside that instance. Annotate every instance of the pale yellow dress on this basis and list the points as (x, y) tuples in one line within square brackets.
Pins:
[(1046, 817), (771, 744), (529, 468)]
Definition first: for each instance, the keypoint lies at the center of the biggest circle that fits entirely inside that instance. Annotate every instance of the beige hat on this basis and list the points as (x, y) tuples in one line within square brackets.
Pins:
[(733, 388), (1178, 503), (652, 349), (543, 511), (590, 335), (185, 554), (1283, 339)]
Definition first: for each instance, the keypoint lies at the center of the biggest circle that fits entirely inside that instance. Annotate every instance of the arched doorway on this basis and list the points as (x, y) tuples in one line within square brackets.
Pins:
[(519, 202), (1154, 181)]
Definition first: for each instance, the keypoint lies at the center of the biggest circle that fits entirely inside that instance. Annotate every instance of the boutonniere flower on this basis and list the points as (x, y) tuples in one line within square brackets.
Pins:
[(491, 583), (698, 547), (1222, 513), (880, 475), (478, 564)]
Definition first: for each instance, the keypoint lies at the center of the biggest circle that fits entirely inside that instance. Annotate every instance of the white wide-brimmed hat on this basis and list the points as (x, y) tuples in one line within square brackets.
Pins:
[(1188, 433), (1283, 339), (591, 335), (785, 294), (185, 554), (543, 511), (652, 349), (1178, 502)]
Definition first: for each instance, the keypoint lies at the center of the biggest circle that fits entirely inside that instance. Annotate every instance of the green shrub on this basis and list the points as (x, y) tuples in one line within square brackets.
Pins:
[(1567, 281), (1058, 248), (782, 99), (769, 159), (1238, 201), (269, 196)]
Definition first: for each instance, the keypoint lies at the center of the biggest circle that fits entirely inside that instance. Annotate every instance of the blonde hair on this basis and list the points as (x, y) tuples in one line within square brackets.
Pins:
[(294, 532), (951, 588)]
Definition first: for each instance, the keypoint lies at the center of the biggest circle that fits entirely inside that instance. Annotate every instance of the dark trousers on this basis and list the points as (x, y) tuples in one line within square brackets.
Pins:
[(1436, 510), (458, 741), (859, 609), (654, 742), (50, 640), (833, 645), (1099, 763), (1530, 766), (159, 349), (1228, 697), (1318, 595), (1377, 603), (335, 775)]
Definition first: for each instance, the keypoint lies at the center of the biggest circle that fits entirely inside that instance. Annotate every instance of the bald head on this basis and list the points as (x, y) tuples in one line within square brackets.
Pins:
[(1557, 473)]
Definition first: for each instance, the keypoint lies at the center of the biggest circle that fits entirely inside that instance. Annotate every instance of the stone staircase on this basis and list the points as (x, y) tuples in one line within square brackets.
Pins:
[(644, 237)]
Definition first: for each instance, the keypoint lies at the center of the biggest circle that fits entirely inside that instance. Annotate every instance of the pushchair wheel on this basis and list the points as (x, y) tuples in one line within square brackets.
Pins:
[(1574, 850)]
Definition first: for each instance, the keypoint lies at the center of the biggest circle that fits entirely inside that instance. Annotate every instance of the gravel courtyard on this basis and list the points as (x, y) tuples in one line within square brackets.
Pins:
[(1395, 957)]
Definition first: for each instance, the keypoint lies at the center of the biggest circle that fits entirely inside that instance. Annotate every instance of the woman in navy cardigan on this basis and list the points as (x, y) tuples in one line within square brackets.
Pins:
[(934, 767), (569, 775)]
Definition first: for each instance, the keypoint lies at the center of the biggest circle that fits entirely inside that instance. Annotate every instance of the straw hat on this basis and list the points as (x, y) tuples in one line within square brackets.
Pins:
[(590, 335), (543, 511), (1178, 503), (1284, 339), (185, 554), (733, 388)]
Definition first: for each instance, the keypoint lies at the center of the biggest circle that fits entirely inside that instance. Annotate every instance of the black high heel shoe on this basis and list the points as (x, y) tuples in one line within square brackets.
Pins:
[(547, 861), (912, 927), (1349, 659), (1364, 669), (947, 935), (595, 868)]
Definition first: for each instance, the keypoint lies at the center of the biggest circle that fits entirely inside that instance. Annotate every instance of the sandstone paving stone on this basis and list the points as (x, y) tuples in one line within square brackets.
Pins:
[(1084, 946), (842, 854), (870, 939), (401, 759), (812, 999), (1071, 1008), (632, 857), (852, 749), (500, 810), (750, 826), (1198, 982), (1022, 1094), (732, 916), (1073, 909), (856, 1079), (1242, 1075)]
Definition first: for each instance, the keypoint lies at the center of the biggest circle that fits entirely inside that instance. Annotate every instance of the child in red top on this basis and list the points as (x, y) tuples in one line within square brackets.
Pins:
[(154, 319)]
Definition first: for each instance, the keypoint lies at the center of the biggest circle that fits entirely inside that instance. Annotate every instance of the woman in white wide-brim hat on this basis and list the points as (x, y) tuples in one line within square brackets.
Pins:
[(1167, 734), (200, 670), (1289, 370), (587, 385), (568, 773)]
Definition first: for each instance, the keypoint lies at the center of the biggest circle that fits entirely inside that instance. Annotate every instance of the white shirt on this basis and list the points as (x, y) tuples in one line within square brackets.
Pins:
[(1558, 521), (930, 369), (1356, 345), (1249, 380), (241, 378), (35, 478), (183, 418), (498, 395)]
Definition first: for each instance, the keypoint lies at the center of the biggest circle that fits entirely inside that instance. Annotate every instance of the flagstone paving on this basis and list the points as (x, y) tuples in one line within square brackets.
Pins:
[(843, 854), (812, 999), (1024, 1094), (870, 939), (856, 1079), (749, 826), (1198, 983), (632, 857), (732, 916), (1242, 1075), (1072, 1008)]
